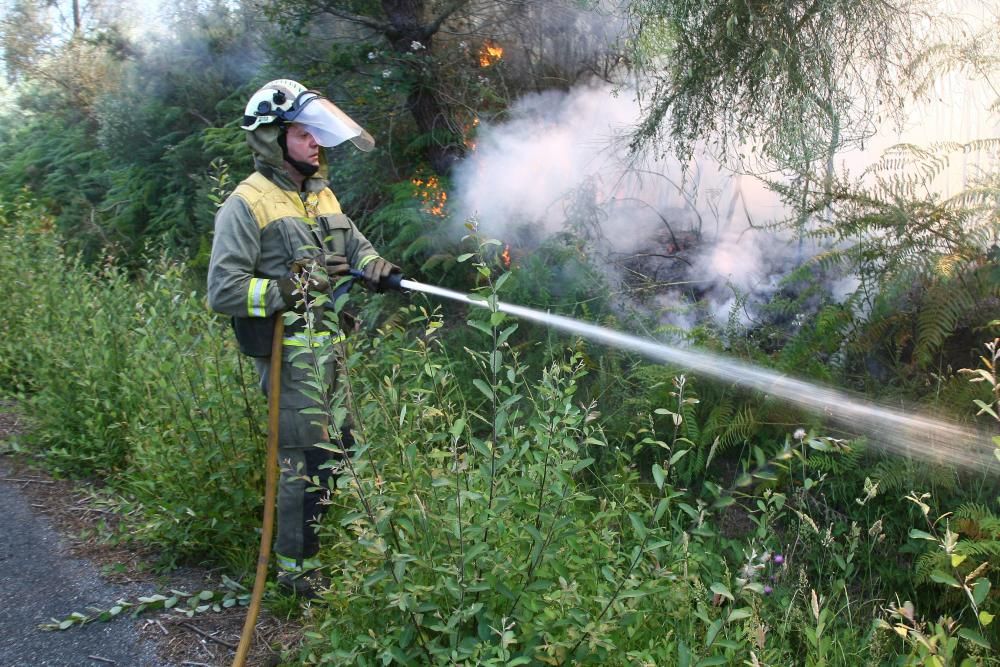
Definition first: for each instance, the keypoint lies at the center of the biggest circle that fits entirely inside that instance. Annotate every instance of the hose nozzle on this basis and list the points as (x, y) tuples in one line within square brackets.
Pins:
[(393, 281)]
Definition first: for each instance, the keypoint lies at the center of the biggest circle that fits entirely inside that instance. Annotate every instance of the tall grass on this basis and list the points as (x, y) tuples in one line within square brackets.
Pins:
[(132, 381)]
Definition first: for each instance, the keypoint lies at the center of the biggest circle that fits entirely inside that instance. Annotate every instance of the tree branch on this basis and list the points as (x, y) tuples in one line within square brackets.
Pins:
[(435, 23), (330, 7)]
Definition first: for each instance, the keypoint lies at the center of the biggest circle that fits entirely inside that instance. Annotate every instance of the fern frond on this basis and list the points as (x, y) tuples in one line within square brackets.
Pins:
[(979, 548)]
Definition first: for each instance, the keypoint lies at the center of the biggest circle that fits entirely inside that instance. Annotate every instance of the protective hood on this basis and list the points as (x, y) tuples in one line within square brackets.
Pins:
[(269, 160)]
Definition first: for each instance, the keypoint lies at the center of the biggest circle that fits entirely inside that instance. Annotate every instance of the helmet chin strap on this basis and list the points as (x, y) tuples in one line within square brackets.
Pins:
[(307, 169)]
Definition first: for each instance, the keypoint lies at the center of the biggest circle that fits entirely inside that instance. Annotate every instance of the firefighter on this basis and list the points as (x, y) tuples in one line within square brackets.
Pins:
[(279, 235)]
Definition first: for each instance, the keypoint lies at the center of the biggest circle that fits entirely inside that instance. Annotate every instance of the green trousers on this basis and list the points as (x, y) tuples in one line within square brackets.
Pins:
[(308, 471)]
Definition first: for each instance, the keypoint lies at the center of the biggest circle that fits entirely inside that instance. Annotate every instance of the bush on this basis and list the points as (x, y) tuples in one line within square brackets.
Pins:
[(136, 383)]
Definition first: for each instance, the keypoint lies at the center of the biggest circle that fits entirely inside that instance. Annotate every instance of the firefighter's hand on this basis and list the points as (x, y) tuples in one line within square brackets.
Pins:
[(376, 271), (304, 276), (337, 267)]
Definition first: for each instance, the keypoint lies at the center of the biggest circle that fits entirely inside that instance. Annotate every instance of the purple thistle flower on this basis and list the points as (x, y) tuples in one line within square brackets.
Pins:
[(778, 559), (768, 590)]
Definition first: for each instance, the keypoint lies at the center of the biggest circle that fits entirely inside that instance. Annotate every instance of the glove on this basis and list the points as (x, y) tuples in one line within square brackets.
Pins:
[(376, 271), (290, 286), (337, 266)]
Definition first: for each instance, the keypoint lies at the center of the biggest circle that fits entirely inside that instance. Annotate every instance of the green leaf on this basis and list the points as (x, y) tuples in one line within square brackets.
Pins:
[(985, 617), (661, 507), (637, 525), (473, 552), (683, 655), (677, 456), (505, 334), (921, 535), (465, 257), (738, 614), (974, 637), (720, 589), (374, 578), (658, 475), (496, 359), (476, 324), (724, 501), (483, 387), (397, 654), (980, 590), (944, 578), (713, 632), (580, 465)]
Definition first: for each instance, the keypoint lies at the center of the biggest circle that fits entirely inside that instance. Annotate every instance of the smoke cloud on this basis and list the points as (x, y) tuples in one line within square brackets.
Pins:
[(562, 161)]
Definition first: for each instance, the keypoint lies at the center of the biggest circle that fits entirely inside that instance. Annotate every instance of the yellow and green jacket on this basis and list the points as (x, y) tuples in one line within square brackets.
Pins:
[(265, 225)]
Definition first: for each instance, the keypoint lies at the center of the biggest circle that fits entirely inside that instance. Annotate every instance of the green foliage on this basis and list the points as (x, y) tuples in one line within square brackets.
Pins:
[(485, 516), (791, 80), (137, 383), (133, 170), (479, 534), (928, 279)]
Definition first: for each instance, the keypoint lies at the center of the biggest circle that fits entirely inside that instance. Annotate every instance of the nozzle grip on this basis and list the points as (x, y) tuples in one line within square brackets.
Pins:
[(393, 281)]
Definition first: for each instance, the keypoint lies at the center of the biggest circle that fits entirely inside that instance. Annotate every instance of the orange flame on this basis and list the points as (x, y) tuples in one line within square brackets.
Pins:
[(433, 197), (467, 131), (505, 256), (490, 53)]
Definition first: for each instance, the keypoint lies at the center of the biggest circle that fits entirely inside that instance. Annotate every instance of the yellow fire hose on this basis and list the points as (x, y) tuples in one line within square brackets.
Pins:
[(270, 492)]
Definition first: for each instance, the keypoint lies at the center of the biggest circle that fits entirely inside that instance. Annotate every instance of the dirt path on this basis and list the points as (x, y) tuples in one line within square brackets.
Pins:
[(40, 580), (49, 570)]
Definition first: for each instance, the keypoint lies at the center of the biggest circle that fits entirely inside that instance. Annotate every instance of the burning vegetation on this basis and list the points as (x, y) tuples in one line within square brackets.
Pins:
[(490, 54), (432, 196)]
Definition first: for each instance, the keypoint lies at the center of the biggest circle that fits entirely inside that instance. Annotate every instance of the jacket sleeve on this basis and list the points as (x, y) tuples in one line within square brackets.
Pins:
[(360, 251), (233, 287)]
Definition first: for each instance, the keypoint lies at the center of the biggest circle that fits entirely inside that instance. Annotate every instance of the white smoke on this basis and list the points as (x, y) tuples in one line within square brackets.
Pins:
[(562, 159)]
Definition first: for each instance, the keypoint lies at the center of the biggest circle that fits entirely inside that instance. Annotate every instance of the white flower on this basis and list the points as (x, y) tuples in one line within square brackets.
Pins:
[(386, 73), (463, 45), (799, 434), (376, 88), (415, 45), (372, 55)]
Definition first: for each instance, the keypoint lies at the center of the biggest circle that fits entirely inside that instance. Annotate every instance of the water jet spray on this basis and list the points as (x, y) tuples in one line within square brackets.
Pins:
[(890, 429)]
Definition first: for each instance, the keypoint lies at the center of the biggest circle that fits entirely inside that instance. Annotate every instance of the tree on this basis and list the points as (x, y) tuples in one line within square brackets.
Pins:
[(442, 56), (789, 82), (75, 58)]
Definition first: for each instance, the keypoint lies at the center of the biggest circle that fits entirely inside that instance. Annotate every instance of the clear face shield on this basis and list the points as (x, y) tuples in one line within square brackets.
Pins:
[(327, 123)]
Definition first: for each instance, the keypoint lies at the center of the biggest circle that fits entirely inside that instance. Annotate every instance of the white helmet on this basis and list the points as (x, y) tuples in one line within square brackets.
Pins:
[(287, 101)]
